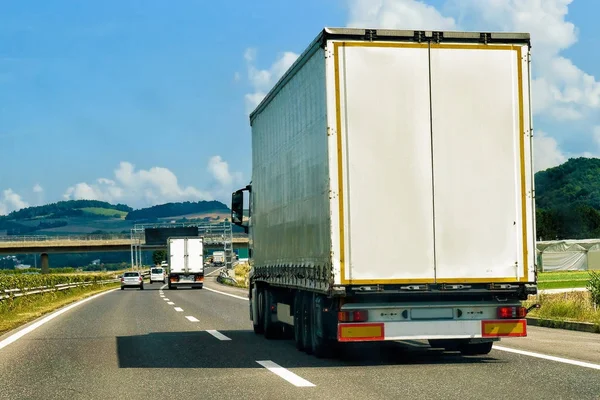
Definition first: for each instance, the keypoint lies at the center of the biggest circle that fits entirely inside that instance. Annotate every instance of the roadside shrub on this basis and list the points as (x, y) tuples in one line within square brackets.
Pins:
[(594, 287)]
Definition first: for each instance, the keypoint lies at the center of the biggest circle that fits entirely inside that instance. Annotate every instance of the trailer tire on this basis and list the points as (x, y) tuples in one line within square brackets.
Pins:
[(306, 323), (298, 338), (272, 330), (476, 349), (322, 347), (258, 327)]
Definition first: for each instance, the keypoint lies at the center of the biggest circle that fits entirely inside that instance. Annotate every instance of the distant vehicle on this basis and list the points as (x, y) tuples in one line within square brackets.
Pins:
[(186, 262), (157, 274), (219, 258), (392, 192), (133, 278)]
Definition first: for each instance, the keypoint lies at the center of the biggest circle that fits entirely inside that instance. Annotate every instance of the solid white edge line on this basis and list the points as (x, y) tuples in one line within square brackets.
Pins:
[(214, 272), (285, 374), (218, 334), (16, 336), (547, 357), (191, 318), (226, 294), (178, 309), (171, 303)]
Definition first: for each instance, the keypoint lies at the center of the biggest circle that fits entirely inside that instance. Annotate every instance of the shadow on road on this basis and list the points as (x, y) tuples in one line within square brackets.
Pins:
[(202, 350)]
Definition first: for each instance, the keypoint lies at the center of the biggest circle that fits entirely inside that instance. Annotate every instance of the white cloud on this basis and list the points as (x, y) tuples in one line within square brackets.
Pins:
[(219, 169), (11, 201), (140, 188), (262, 80), (38, 188), (546, 152), (397, 14), (562, 91)]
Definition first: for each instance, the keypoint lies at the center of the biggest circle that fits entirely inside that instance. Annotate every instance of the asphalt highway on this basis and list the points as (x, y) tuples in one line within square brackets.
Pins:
[(157, 343)]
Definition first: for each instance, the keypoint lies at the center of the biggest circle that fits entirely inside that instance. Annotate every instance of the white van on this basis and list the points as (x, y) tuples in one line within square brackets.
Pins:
[(157, 274)]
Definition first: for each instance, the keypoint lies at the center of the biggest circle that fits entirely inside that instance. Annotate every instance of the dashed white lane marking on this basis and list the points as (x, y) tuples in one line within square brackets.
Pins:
[(547, 357), (165, 299), (191, 319), (178, 309), (171, 303), (218, 335), (285, 374), (226, 294), (16, 336)]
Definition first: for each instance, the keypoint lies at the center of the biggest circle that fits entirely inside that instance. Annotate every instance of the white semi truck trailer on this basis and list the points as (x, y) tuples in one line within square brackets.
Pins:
[(186, 262), (392, 193)]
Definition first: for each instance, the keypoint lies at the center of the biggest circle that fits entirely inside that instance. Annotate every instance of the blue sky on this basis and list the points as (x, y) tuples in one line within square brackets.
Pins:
[(146, 101)]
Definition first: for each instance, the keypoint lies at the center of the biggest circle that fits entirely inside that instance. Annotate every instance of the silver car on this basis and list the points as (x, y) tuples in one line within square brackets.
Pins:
[(132, 278)]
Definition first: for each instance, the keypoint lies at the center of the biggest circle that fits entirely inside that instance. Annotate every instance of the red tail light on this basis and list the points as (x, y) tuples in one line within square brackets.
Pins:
[(511, 312), (199, 278), (122, 279), (353, 316)]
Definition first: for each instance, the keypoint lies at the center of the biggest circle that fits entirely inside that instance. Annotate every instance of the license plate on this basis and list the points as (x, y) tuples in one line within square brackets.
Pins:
[(187, 278)]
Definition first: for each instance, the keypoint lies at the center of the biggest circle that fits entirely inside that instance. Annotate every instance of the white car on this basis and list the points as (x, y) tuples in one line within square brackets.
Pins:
[(132, 278), (157, 274)]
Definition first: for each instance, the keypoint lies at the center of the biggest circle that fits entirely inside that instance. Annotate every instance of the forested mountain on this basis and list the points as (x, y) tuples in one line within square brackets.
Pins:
[(568, 200)]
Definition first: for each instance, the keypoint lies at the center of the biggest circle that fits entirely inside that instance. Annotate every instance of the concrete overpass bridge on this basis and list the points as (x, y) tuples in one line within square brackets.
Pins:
[(92, 243), (45, 245)]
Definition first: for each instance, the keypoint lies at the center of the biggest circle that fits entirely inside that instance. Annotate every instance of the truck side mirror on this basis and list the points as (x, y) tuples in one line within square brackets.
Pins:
[(237, 209)]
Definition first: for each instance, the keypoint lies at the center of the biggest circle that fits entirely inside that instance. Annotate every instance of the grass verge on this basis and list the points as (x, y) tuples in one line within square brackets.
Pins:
[(563, 279), (562, 284), (21, 310), (565, 307), (563, 276)]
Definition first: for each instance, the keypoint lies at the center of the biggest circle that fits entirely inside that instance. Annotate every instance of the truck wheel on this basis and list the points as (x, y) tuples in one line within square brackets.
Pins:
[(476, 349), (298, 321), (257, 319), (272, 330), (306, 323), (322, 347)]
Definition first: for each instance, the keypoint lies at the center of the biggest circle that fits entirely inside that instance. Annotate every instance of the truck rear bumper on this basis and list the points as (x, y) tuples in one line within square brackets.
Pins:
[(191, 280), (472, 329), (187, 284)]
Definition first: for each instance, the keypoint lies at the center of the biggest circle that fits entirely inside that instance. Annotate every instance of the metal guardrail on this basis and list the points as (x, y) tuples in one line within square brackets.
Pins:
[(73, 238), (7, 293)]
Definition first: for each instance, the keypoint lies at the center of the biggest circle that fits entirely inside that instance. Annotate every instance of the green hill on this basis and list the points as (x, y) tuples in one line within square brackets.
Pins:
[(90, 216), (568, 200), (177, 209)]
